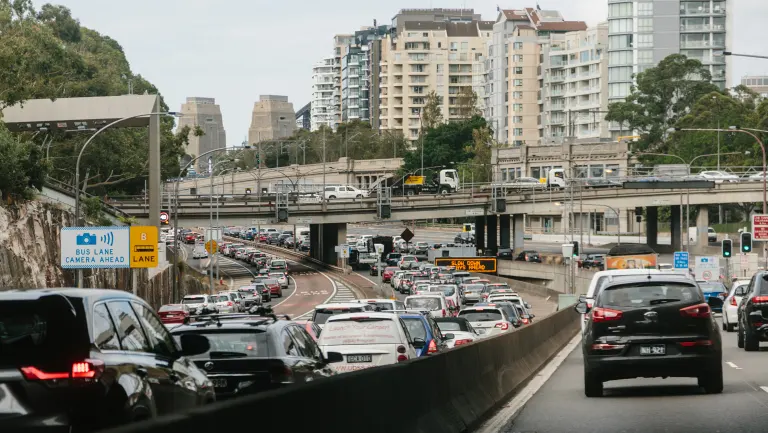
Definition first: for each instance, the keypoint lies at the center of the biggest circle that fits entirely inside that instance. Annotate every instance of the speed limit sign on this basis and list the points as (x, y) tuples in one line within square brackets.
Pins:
[(163, 217)]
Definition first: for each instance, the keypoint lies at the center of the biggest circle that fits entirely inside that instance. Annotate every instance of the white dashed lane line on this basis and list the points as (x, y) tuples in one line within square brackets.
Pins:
[(764, 388), (732, 365)]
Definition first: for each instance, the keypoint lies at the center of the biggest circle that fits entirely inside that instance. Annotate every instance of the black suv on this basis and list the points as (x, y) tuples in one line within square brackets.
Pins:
[(650, 326), (86, 359), (254, 353), (752, 317)]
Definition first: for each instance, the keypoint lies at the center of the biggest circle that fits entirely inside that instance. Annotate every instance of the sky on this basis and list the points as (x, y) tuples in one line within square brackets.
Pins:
[(236, 50)]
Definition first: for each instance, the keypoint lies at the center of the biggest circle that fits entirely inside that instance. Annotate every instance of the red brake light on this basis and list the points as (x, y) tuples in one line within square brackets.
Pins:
[(229, 304), (760, 299), (503, 325), (696, 343), (443, 312), (88, 369), (607, 346), (465, 341), (605, 315), (525, 320), (432, 347), (33, 373), (402, 358), (699, 311), (733, 301)]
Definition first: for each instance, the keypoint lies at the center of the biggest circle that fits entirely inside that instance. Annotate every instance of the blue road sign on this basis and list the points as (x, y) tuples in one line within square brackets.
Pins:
[(681, 260), (95, 247)]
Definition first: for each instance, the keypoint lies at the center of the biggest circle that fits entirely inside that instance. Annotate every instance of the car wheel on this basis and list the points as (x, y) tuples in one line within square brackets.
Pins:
[(330, 197), (593, 386), (358, 196), (730, 327), (712, 381), (740, 337), (725, 327), (751, 343)]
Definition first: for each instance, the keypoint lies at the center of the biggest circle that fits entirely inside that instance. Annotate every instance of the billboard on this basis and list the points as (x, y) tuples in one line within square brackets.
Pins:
[(639, 261)]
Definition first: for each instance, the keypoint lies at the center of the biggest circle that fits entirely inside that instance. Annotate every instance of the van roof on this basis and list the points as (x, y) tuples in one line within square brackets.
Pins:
[(337, 305), (371, 314)]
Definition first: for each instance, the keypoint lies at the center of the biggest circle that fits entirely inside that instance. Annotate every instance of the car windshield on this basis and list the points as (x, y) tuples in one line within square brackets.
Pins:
[(415, 327), (193, 300), (231, 344), (638, 295), (360, 330), (394, 255), (321, 315), (481, 315), (423, 303)]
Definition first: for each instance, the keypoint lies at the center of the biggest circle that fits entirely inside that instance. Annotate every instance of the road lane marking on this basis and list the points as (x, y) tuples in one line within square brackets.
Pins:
[(732, 365), (764, 388), (295, 290)]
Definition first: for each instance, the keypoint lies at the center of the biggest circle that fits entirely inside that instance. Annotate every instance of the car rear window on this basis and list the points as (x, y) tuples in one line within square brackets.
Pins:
[(452, 325), (415, 327), (382, 305), (227, 344), (43, 332), (276, 274), (484, 315), (222, 298), (712, 287), (360, 331), (165, 308), (446, 290), (648, 294), (193, 300), (423, 303), (322, 315), (473, 287), (277, 263)]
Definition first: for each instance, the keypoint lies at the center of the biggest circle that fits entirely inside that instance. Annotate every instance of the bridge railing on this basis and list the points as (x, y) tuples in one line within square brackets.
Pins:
[(67, 189)]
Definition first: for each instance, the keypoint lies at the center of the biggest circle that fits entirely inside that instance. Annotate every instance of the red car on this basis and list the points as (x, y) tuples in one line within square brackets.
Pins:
[(173, 313), (388, 273), (190, 238), (274, 287)]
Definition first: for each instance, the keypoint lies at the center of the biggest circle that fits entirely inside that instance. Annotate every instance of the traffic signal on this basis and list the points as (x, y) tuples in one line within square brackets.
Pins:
[(282, 215), (575, 249), (385, 211), (500, 205), (258, 160), (746, 242), (727, 247)]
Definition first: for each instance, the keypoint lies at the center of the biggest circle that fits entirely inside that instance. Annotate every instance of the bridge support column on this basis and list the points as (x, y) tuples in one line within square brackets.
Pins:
[(518, 233), (331, 236), (315, 251), (675, 229), (493, 244), (504, 231), (480, 233), (652, 226), (702, 226)]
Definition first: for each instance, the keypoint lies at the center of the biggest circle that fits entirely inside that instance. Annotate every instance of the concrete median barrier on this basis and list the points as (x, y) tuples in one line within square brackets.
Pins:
[(449, 393)]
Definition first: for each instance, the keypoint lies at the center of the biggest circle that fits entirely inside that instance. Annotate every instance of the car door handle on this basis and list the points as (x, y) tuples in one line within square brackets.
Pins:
[(141, 371)]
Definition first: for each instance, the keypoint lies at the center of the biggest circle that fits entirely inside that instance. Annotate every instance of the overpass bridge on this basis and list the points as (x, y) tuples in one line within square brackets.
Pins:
[(332, 216)]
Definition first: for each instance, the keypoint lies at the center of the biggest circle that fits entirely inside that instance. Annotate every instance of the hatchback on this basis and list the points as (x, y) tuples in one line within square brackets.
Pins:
[(650, 326)]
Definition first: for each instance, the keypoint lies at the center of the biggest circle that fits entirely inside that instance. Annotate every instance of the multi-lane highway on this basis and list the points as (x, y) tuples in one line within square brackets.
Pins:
[(650, 405)]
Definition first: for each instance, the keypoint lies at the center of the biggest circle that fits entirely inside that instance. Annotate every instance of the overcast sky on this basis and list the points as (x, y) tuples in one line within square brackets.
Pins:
[(236, 50)]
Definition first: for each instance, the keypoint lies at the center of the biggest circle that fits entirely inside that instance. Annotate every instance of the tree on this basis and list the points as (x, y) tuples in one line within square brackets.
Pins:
[(24, 169), (661, 97), (432, 114), (466, 102), (480, 165), (446, 145)]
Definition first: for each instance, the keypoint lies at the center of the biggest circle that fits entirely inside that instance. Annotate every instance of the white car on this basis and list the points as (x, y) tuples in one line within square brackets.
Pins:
[(281, 278), (757, 177), (487, 321), (395, 280), (435, 303), (719, 176), (366, 340), (408, 262), (383, 304), (199, 253), (224, 304), (199, 304), (325, 311), (344, 191), (236, 298), (460, 328), (451, 293), (731, 305)]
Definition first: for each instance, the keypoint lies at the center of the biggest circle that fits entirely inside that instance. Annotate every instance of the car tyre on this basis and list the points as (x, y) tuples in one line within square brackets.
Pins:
[(712, 382), (740, 337), (751, 343), (725, 328), (730, 328), (593, 386)]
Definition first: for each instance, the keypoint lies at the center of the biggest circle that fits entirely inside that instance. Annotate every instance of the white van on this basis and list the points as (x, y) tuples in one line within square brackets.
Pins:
[(435, 303), (366, 340), (325, 311), (383, 304)]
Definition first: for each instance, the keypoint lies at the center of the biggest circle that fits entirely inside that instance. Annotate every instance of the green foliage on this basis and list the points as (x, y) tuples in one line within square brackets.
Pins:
[(661, 97), (466, 101), (432, 114), (24, 168), (449, 144)]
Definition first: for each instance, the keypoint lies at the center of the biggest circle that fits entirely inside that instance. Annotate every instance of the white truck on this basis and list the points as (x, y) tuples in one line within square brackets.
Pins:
[(556, 178), (443, 182)]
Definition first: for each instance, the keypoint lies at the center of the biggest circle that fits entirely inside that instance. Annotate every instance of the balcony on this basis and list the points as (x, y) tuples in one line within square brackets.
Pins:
[(696, 28), (695, 44), (695, 10)]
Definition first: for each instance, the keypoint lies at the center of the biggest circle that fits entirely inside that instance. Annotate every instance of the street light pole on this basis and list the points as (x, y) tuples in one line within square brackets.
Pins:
[(210, 223), (77, 170)]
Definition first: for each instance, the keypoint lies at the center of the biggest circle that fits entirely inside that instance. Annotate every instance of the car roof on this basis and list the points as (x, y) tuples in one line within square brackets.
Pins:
[(362, 301), (670, 278), (370, 314), (483, 306), (91, 295), (338, 305)]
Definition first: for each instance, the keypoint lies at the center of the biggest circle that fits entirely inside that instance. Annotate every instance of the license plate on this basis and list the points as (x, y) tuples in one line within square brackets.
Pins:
[(359, 358), (219, 383), (653, 350), (480, 331)]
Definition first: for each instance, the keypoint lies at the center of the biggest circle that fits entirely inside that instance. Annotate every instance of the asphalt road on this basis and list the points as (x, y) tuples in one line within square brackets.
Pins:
[(306, 287), (652, 405)]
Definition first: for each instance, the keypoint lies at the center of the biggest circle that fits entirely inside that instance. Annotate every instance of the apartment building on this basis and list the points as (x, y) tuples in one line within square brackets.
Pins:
[(355, 71), (340, 42), (273, 118), (425, 56), (304, 117), (643, 32), (205, 113), (574, 95), (323, 106), (758, 84)]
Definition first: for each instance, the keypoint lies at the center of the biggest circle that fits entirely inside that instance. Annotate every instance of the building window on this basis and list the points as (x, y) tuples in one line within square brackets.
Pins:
[(425, 35), (536, 172), (517, 95), (619, 42), (517, 143), (620, 10), (645, 9), (645, 41), (620, 58), (517, 119), (518, 82), (618, 90), (584, 56), (517, 57), (518, 70), (621, 26), (620, 74), (517, 46), (645, 25), (517, 108), (644, 56), (517, 132), (503, 174), (465, 46), (454, 46)]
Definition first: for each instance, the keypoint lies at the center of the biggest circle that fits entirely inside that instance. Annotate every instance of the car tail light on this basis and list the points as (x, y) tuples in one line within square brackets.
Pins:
[(465, 341), (402, 358), (503, 325), (281, 374), (401, 349), (525, 320), (603, 346), (229, 304), (432, 347), (699, 311), (87, 369), (695, 343), (443, 312), (760, 300), (733, 301), (605, 315)]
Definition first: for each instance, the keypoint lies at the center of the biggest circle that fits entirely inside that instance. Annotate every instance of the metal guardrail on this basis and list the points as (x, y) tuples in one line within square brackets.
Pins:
[(69, 190)]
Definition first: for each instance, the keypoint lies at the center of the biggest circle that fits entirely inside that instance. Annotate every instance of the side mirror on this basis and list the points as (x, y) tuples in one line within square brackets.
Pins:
[(527, 305), (581, 308), (194, 344), (741, 291), (334, 357), (583, 298), (418, 343), (449, 336)]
